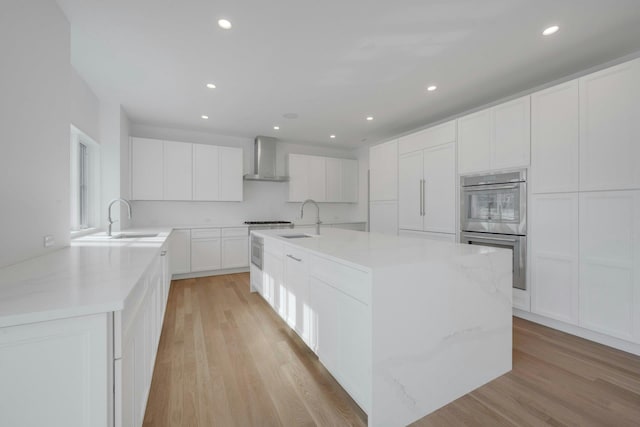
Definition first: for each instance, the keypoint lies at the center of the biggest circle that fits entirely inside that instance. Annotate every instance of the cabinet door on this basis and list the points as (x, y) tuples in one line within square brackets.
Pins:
[(610, 129), (474, 142), (295, 278), (178, 170), (146, 169), (298, 177), (323, 301), (205, 255), (511, 134), (231, 173), (555, 265), (383, 172), (349, 181), (206, 174), (440, 189), (334, 180), (383, 217), (235, 252), (410, 191), (317, 178), (555, 129), (609, 267), (180, 257)]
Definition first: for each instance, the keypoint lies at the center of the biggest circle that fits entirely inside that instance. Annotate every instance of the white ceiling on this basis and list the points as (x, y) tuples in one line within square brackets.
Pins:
[(333, 62)]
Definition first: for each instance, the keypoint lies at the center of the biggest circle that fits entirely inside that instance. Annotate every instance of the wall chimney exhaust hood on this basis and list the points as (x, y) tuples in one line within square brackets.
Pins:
[(264, 161)]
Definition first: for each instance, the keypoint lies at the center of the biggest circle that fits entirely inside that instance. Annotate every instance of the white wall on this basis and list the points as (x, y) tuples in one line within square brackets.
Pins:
[(85, 107), (34, 128), (262, 200)]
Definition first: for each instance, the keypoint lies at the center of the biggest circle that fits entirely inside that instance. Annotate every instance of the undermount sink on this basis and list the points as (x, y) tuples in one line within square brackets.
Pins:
[(133, 236), (295, 236)]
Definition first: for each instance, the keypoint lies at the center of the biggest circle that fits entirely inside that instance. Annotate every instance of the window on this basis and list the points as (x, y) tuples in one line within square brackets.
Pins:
[(84, 184)]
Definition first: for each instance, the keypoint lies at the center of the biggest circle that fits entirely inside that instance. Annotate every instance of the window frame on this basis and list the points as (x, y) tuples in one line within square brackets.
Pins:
[(84, 183)]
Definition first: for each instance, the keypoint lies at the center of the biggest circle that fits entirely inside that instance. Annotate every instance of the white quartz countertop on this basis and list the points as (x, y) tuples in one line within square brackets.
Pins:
[(242, 224), (93, 275), (375, 250)]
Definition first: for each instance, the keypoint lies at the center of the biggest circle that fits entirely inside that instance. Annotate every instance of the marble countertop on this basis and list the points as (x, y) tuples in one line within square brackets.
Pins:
[(93, 275), (374, 250)]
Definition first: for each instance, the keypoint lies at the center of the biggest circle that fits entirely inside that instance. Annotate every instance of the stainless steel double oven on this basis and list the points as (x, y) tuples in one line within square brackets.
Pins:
[(493, 212)]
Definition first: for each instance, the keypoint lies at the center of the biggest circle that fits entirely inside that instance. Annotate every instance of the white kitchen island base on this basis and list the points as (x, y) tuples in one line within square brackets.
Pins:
[(404, 325)]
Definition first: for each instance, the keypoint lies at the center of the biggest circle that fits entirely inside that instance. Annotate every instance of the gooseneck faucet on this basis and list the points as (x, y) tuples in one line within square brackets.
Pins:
[(318, 222), (111, 221)]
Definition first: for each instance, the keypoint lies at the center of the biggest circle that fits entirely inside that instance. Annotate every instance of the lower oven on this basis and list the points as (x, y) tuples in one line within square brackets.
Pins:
[(257, 251), (518, 245)]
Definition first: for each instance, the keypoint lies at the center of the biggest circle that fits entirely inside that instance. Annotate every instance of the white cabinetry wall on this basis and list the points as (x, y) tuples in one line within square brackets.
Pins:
[(169, 170), (495, 138), (323, 179)]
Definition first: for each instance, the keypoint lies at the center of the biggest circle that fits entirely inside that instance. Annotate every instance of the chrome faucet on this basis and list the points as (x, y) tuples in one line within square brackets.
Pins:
[(111, 221), (318, 222)]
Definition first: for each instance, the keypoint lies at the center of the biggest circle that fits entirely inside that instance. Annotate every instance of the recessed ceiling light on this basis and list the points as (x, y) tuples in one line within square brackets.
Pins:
[(550, 30), (369, 118), (432, 88), (204, 117), (276, 128), (224, 24), (332, 136), (211, 86)]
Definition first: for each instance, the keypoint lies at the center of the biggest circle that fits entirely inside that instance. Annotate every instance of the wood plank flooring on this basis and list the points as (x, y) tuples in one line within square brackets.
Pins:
[(226, 359)]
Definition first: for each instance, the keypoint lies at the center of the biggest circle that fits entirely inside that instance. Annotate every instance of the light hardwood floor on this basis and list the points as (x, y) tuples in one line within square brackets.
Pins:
[(226, 359)]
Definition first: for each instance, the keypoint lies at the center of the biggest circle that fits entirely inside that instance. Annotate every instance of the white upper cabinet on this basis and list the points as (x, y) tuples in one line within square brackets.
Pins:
[(495, 138), (439, 198), (383, 172), (610, 263), (610, 128), (334, 180), (147, 169), (437, 135), (555, 139), (323, 179), (178, 171), (206, 176), (231, 172), (474, 142), (349, 180), (511, 134), (555, 262)]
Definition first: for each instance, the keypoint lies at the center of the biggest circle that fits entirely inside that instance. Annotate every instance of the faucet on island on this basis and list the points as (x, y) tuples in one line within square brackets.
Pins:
[(318, 222), (111, 221)]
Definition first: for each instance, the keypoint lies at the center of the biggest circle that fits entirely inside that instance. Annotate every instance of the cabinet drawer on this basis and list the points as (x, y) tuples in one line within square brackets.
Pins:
[(350, 281), (205, 233), (235, 232)]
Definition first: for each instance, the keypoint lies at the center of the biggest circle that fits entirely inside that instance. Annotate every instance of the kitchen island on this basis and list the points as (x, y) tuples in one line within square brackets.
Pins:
[(404, 325)]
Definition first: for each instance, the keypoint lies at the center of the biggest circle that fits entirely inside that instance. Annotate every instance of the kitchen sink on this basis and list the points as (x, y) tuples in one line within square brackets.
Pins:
[(133, 236), (295, 236)]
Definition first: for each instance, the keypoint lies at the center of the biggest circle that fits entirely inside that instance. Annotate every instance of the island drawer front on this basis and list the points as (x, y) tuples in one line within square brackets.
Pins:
[(352, 282), (235, 232), (205, 233)]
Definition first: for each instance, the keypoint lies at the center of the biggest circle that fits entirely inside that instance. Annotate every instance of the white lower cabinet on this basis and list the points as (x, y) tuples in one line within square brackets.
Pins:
[(383, 217), (295, 281), (205, 254), (610, 263), (180, 244), (555, 264), (235, 252)]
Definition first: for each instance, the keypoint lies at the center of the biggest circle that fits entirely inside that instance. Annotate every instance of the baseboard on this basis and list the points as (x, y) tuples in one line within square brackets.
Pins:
[(607, 340), (209, 273)]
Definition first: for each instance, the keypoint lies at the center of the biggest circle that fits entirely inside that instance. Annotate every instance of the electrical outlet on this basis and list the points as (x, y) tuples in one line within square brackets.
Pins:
[(49, 241)]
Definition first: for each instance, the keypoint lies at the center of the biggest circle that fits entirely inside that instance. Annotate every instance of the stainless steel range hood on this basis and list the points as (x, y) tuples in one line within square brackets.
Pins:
[(264, 161)]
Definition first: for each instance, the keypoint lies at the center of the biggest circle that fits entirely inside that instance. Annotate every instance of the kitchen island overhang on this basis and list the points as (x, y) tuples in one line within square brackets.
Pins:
[(432, 319)]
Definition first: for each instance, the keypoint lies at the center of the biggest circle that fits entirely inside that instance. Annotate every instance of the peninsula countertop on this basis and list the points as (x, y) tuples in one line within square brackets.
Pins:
[(94, 274)]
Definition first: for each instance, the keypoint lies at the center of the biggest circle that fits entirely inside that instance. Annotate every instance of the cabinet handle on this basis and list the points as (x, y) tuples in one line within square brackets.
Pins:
[(163, 253), (420, 197), (294, 258)]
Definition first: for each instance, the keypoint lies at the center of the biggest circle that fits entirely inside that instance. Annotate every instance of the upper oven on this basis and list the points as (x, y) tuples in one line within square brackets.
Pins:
[(494, 203)]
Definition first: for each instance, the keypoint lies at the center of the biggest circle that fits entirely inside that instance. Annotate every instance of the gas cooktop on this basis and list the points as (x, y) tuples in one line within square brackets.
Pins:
[(266, 222)]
